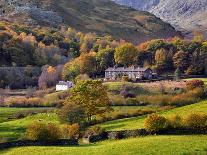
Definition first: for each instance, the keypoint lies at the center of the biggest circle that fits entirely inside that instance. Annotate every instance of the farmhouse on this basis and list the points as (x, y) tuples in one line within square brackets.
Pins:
[(133, 73), (62, 85)]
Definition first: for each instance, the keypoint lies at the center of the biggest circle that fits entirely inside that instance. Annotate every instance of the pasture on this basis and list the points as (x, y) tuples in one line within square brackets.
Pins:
[(156, 145), (138, 122)]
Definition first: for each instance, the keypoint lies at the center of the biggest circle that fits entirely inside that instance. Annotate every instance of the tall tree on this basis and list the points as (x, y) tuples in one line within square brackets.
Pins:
[(126, 54), (91, 95)]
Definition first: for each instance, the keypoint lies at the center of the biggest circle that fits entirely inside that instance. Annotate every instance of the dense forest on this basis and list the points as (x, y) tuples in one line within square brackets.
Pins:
[(89, 54)]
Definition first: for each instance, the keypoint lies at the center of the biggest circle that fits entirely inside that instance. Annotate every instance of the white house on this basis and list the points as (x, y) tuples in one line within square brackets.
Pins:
[(63, 85)]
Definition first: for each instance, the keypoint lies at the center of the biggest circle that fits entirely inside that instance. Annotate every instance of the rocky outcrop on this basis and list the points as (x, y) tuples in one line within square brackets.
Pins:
[(187, 15)]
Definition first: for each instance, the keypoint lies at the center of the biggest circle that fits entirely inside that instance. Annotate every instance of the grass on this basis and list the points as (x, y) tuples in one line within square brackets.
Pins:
[(138, 122), (156, 145), (6, 113), (14, 129)]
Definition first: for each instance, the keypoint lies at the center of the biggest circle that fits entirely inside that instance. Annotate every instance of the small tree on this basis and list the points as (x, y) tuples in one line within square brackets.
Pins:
[(177, 74), (72, 113), (91, 95)]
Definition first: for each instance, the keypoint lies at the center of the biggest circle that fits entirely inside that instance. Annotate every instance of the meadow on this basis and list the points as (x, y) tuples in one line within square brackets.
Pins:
[(156, 145), (12, 128), (138, 122)]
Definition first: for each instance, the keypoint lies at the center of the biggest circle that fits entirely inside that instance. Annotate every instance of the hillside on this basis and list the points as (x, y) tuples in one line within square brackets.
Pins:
[(188, 15), (138, 122), (100, 16)]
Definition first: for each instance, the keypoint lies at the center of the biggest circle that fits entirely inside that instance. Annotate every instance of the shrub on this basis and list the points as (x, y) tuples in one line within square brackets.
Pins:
[(155, 123), (42, 132), (125, 79), (195, 121), (194, 84), (71, 131), (36, 131), (24, 102), (175, 121), (54, 132), (94, 130)]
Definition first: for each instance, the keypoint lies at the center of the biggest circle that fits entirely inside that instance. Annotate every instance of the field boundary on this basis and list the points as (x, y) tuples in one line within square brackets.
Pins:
[(22, 143)]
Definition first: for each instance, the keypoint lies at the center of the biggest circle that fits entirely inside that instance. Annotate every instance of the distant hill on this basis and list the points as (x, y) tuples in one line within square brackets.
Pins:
[(100, 16), (187, 15)]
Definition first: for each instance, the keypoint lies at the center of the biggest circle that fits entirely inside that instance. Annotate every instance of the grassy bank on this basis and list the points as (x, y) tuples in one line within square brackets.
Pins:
[(138, 122), (156, 145)]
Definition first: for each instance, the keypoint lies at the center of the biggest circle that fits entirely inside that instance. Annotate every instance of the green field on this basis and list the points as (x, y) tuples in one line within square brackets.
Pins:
[(6, 113), (152, 145), (15, 128), (138, 122)]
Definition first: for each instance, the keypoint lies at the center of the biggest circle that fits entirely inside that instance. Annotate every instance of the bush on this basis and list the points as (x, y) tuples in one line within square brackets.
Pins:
[(95, 130), (71, 131), (155, 123), (125, 79), (194, 84), (43, 132), (175, 121), (195, 121), (24, 102)]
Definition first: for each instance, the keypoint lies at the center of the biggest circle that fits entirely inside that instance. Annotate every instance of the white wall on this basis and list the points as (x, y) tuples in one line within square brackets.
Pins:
[(61, 87)]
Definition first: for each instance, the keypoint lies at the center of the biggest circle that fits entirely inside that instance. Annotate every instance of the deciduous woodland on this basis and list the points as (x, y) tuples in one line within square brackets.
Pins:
[(77, 53)]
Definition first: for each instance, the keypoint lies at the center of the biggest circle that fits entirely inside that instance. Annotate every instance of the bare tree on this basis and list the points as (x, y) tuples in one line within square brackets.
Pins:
[(3, 94)]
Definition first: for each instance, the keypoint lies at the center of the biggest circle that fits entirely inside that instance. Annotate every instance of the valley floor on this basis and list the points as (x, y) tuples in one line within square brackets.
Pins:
[(151, 145)]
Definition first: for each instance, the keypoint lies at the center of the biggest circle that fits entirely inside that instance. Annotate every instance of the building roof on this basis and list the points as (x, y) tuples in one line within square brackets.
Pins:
[(126, 69), (65, 83)]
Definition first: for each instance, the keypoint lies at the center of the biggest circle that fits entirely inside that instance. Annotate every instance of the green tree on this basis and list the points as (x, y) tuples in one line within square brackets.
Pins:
[(126, 54), (72, 113), (91, 95), (105, 58), (71, 70)]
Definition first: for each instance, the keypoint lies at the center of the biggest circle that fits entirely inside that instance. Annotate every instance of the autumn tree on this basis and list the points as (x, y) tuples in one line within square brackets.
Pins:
[(71, 70), (161, 59), (126, 54), (49, 77), (87, 63), (91, 95), (180, 60)]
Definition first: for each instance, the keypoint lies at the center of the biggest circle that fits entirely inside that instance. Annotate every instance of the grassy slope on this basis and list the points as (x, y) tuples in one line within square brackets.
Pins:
[(5, 113), (156, 145), (14, 129), (138, 122), (100, 16)]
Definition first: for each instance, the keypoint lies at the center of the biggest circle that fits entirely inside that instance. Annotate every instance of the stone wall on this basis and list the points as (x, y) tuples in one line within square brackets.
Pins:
[(23, 143)]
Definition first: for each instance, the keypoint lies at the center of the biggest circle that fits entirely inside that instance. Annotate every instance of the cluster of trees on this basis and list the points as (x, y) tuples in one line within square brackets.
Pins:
[(90, 54), (22, 46), (163, 56), (19, 77)]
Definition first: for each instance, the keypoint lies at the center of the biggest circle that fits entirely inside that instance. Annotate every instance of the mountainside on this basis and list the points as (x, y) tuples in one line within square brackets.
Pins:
[(100, 16), (187, 15)]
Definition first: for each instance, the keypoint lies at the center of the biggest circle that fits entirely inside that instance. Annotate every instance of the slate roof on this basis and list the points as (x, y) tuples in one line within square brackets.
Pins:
[(66, 83), (128, 69)]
